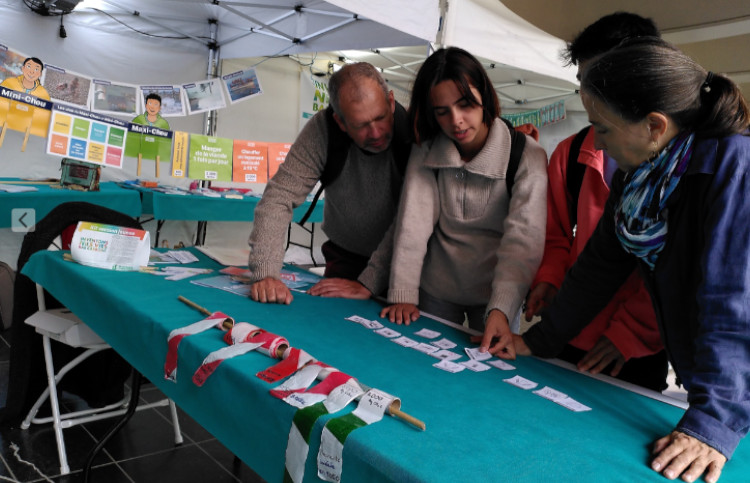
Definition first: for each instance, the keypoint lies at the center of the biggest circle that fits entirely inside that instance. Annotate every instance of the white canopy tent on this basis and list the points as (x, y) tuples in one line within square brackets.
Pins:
[(148, 42), (126, 32)]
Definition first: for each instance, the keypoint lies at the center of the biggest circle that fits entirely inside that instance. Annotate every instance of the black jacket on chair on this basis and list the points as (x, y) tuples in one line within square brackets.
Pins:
[(99, 379)]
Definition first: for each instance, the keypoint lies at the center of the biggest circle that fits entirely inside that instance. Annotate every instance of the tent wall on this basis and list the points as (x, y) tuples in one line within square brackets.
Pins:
[(488, 29)]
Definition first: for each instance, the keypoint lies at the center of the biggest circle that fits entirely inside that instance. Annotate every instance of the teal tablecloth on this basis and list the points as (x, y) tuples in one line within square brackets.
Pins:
[(203, 208), (110, 195), (479, 428)]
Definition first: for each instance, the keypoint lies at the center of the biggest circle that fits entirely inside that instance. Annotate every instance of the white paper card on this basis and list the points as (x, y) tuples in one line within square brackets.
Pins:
[(386, 332), (473, 353), (446, 355), (449, 366), (405, 341), (573, 405), (426, 348), (357, 319), (427, 333), (182, 256), (501, 364), (521, 382), (444, 343), (551, 394), (14, 188), (476, 366), (372, 324)]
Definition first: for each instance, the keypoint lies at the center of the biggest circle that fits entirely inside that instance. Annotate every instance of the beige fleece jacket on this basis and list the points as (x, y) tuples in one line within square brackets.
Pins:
[(458, 234)]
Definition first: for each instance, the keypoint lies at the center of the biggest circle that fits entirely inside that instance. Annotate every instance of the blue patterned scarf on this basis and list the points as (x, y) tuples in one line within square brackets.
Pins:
[(639, 222)]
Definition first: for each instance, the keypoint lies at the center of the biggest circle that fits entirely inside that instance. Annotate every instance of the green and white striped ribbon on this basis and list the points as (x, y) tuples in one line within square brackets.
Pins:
[(302, 426), (371, 408)]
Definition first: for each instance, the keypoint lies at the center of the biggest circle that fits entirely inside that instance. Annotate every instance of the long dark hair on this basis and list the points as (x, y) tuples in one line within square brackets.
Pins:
[(650, 75), (457, 65)]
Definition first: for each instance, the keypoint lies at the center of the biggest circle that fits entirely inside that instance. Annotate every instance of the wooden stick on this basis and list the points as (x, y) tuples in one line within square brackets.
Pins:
[(226, 324), (192, 304), (2, 133), (26, 138), (398, 413), (157, 165), (138, 168), (394, 409)]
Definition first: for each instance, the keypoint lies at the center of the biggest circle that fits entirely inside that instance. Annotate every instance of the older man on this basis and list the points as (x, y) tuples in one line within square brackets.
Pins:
[(362, 141)]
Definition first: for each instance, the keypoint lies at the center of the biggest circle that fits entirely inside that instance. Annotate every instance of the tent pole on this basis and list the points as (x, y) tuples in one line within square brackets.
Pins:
[(210, 117), (213, 72)]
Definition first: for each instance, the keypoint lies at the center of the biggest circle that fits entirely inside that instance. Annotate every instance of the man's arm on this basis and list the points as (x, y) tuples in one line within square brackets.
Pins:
[(296, 177)]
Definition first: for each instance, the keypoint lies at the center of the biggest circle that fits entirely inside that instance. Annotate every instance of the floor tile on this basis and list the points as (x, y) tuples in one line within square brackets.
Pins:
[(37, 446), (186, 465), (230, 462), (146, 433)]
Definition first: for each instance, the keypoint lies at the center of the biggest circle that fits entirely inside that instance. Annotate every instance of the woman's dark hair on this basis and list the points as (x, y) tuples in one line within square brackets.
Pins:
[(650, 75), (459, 66)]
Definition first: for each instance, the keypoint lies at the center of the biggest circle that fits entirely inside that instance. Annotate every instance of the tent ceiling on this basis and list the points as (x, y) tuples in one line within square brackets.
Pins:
[(518, 89), (244, 28), (527, 74)]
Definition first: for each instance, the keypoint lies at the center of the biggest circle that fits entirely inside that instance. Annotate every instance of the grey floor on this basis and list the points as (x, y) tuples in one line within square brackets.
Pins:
[(143, 451)]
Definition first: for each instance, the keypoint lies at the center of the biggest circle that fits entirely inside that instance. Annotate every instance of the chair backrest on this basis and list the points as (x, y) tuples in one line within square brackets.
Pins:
[(27, 374)]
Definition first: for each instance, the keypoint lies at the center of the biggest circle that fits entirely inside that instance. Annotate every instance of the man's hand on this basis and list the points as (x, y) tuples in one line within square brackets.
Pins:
[(271, 290), (496, 327), (539, 298), (600, 356), (400, 313), (679, 454), (340, 287)]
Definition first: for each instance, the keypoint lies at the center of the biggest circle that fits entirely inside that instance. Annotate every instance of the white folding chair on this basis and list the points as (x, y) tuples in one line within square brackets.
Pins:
[(63, 326)]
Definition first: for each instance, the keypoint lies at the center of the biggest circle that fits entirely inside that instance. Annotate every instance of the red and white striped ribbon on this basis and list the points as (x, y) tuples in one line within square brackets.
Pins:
[(216, 319)]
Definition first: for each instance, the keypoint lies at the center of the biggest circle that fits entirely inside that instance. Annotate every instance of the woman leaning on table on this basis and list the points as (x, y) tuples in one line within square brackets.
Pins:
[(679, 209)]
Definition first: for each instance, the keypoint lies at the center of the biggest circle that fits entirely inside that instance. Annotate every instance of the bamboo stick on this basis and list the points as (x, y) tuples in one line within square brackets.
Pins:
[(26, 139)]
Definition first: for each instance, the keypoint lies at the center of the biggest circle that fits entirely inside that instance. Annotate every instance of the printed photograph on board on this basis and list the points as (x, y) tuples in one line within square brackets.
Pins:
[(171, 99), (112, 98), (204, 96), (66, 86), (242, 85)]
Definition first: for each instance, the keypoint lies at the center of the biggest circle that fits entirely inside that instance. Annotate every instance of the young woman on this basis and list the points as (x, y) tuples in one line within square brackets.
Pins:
[(464, 247), (678, 210)]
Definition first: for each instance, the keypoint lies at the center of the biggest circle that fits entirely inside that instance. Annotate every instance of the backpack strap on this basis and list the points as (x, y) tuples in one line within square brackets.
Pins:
[(517, 145), (574, 174), (338, 150)]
